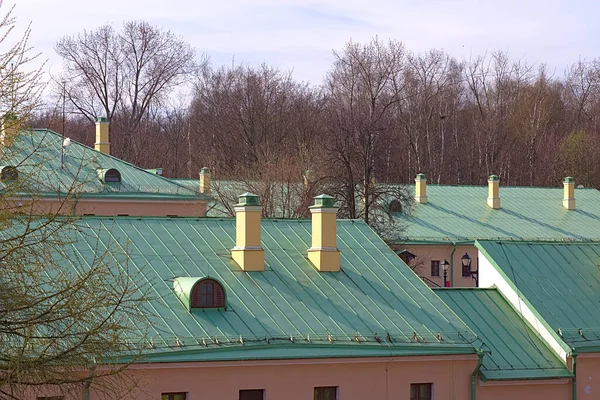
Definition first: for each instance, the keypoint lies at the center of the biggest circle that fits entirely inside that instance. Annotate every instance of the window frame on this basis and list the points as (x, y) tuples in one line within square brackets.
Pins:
[(415, 391), (171, 395), (437, 268), (112, 176), (395, 206), (207, 293), (251, 392), (324, 395)]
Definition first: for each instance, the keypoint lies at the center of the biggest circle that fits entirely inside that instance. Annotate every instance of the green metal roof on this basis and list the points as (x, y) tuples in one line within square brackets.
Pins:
[(37, 155), (290, 306), (515, 349), (460, 213), (190, 184), (560, 280)]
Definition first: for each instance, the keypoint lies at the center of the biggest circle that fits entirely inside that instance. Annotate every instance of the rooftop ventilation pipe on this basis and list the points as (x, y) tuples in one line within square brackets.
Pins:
[(248, 253), (421, 189), (102, 142), (493, 199), (205, 180), (10, 126), (569, 197), (323, 253)]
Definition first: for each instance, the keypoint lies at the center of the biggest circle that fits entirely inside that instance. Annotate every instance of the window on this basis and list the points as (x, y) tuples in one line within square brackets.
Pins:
[(421, 391), (8, 173), (395, 206), (207, 293), (109, 175), (435, 267), (172, 396), (252, 394), (112, 175), (326, 393), (407, 256)]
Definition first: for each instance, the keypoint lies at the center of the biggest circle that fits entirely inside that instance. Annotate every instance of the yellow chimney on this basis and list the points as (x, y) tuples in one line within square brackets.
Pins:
[(102, 142), (569, 197), (421, 189), (493, 199), (323, 253), (248, 253), (205, 180), (10, 128)]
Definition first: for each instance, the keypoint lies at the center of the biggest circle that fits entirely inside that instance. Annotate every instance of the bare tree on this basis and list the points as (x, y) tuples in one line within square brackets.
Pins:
[(364, 85), (124, 76), (63, 312), (20, 85)]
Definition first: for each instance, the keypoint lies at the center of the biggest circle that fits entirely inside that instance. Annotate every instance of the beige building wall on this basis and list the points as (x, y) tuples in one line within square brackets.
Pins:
[(435, 252), (385, 378), (588, 376), (356, 379), (548, 389)]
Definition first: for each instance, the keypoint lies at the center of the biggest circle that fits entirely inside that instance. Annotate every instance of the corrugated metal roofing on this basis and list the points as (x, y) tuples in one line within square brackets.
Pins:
[(290, 303), (515, 349), (37, 155), (455, 213), (560, 280)]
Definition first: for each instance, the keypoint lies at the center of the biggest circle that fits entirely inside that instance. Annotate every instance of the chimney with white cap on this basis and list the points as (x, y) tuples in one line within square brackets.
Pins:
[(323, 253), (248, 252), (493, 199), (102, 141), (421, 189), (569, 196)]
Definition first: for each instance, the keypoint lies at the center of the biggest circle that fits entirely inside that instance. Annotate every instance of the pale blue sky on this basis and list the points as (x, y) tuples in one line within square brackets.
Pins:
[(301, 34)]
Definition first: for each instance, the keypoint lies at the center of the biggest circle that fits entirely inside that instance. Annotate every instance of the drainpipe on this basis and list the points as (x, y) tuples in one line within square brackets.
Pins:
[(574, 384), (452, 264), (475, 374)]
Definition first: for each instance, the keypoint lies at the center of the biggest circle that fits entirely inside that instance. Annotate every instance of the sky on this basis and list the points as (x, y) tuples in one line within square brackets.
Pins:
[(301, 35)]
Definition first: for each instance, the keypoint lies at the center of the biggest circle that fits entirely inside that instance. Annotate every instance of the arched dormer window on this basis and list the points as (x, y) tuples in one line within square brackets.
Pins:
[(199, 292), (207, 293), (109, 175), (395, 206), (8, 173)]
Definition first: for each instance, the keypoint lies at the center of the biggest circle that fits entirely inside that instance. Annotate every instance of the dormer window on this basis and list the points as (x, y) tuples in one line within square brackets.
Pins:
[(8, 173), (395, 206), (199, 292), (109, 175), (206, 294)]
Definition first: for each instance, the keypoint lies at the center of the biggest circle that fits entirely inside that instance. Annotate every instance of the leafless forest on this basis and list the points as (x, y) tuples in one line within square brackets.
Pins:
[(382, 114)]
